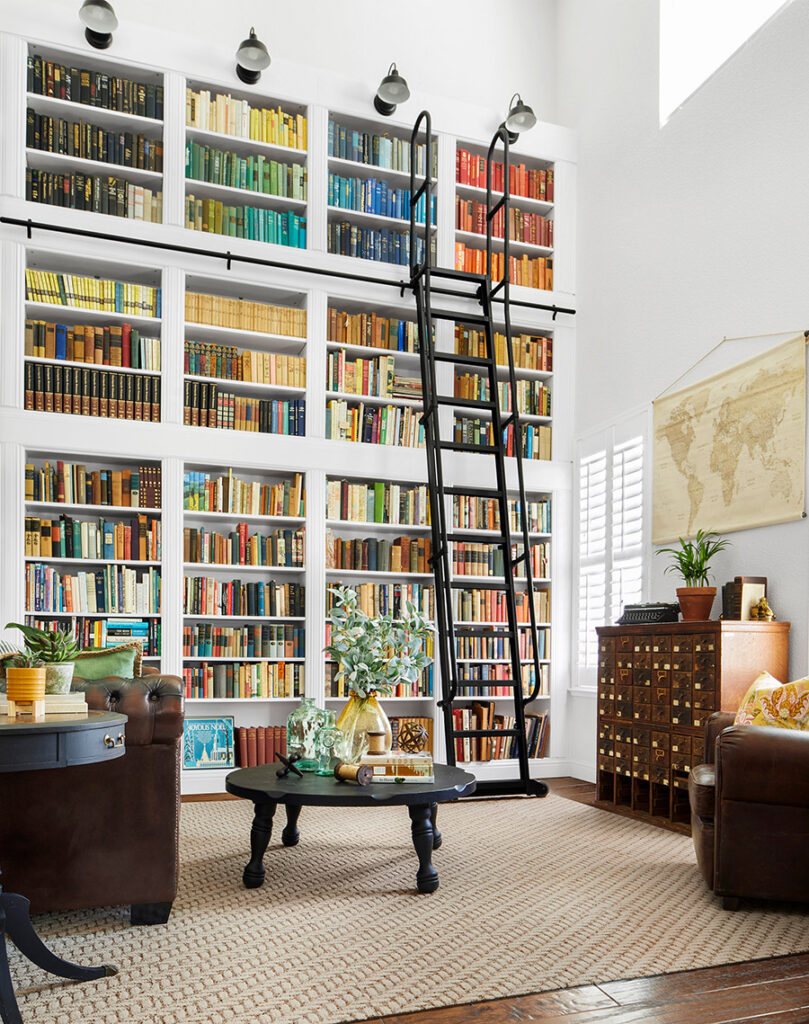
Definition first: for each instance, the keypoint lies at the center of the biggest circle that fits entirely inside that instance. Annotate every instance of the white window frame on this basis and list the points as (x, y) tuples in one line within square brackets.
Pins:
[(607, 439)]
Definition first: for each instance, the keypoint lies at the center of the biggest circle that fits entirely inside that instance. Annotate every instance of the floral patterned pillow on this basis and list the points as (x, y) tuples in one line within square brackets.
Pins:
[(768, 702)]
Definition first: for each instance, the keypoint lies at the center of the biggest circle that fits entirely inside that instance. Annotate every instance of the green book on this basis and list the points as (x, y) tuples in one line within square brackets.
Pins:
[(379, 501)]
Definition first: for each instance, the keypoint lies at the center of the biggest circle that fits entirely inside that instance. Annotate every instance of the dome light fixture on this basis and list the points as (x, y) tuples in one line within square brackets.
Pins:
[(252, 58), (99, 22), (392, 91), (520, 117)]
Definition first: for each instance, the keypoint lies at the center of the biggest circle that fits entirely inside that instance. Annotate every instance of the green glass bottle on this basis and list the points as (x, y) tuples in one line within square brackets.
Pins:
[(303, 725), (328, 745)]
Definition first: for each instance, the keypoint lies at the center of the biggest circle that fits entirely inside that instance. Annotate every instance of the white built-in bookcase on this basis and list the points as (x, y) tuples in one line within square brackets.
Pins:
[(34, 436)]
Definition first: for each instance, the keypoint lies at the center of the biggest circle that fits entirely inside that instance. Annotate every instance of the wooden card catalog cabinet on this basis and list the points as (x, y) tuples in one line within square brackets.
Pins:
[(657, 687)]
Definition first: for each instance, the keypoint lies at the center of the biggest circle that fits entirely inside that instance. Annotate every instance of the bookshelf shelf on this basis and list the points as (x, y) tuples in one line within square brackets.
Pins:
[(389, 700), (94, 615), (247, 387), (269, 619), (475, 192), (79, 314), (474, 532), (241, 517), (242, 144), (101, 116), (282, 343), (410, 359), (61, 506), (363, 525), (89, 561), (93, 366), (375, 219), (373, 399), (367, 574), (357, 169), (241, 700), (228, 193), (472, 237), (232, 568), (63, 163)]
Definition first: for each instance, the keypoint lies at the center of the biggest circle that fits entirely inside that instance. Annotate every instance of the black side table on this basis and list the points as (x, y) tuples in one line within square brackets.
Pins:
[(57, 741)]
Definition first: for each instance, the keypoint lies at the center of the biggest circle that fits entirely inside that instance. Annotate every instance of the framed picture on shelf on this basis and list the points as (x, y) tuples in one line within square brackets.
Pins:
[(208, 743)]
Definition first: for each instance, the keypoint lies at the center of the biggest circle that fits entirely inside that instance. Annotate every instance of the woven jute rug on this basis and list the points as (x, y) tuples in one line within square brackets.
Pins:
[(534, 895)]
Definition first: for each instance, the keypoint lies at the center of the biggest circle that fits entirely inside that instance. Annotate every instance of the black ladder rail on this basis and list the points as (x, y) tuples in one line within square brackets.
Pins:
[(449, 634)]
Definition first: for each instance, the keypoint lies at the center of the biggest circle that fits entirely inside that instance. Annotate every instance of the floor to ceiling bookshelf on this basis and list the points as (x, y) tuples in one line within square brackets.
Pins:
[(324, 388)]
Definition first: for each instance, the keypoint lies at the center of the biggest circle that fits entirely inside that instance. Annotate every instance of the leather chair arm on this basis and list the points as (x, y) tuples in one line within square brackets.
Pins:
[(154, 705), (759, 764), (718, 721)]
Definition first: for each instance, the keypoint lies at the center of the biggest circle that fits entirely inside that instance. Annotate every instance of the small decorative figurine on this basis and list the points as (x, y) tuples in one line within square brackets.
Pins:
[(289, 766), (762, 611), (412, 737)]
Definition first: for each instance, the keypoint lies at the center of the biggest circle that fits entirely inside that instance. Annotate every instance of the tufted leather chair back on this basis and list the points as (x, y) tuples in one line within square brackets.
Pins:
[(153, 703)]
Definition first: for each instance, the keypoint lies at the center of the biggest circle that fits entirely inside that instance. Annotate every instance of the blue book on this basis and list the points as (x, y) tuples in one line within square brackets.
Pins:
[(61, 341)]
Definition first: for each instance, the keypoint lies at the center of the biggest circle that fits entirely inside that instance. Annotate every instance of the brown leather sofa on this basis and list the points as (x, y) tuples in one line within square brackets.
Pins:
[(750, 811), (101, 834)]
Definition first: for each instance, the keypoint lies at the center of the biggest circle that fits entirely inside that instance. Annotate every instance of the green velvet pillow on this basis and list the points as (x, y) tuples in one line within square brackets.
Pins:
[(123, 661)]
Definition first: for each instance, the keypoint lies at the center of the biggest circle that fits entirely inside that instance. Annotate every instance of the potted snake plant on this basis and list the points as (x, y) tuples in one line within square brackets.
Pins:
[(691, 560), (56, 650)]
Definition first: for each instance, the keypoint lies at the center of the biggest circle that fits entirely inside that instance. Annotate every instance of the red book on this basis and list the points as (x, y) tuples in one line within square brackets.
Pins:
[(126, 344), (281, 739), (252, 747), (241, 735), (261, 743), (271, 744)]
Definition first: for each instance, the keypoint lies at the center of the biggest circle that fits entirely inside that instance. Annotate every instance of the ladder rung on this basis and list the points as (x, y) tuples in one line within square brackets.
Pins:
[(501, 202), (474, 492), (467, 318), (455, 357), (458, 733), (497, 288), (479, 684), (420, 191), (464, 403), (463, 446), (463, 539), (458, 275)]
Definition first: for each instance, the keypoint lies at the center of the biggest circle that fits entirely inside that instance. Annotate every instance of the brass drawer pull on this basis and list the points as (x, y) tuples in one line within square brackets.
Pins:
[(109, 742), (120, 741)]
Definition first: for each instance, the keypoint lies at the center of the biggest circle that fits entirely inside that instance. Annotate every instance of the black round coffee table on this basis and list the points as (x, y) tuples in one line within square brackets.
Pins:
[(266, 790)]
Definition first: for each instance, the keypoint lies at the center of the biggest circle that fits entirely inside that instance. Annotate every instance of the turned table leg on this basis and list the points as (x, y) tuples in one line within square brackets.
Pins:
[(421, 827), (436, 833), (260, 833), (290, 836)]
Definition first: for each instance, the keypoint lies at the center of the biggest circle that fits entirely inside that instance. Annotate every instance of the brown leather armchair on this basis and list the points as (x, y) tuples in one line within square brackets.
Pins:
[(100, 834), (750, 811)]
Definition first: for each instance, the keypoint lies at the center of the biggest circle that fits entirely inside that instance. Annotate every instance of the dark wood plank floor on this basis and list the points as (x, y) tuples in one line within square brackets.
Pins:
[(772, 991)]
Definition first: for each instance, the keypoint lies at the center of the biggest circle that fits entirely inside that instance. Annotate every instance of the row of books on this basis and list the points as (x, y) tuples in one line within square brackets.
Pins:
[(376, 150), (136, 539), (109, 195), (206, 492), (423, 687), (223, 113), (245, 315), (529, 351), (536, 439), (244, 680), (280, 548), (254, 222), (71, 483), (470, 169), (498, 648), (472, 605), (204, 595), (115, 588), (482, 715), (378, 502), (492, 680), (107, 632), (470, 215), (381, 245), (114, 345), (252, 173), (370, 377), (373, 195), (533, 397), (94, 88), (208, 359), (374, 424), (89, 142), (484, 514), (522, 270), (372, 330), (402, 554), (102, 294), (208, 405), (83, 392), (381, 598), (260, 744), (207, 640), (472, 559)]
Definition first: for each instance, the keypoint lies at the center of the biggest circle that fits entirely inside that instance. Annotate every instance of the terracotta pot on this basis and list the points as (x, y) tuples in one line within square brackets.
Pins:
[(696, 603), (25, 683)]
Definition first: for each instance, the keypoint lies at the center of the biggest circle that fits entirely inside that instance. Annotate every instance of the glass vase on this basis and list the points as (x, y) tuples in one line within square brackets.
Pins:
[(303, 725), (360, 716), (328, 745)]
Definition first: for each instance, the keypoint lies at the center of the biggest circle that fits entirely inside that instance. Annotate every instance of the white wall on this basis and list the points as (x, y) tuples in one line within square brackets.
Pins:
[(686, 234)]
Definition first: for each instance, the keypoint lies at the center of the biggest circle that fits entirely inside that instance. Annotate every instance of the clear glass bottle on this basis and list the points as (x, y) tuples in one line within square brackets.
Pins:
[(328, 745), (302, 729)]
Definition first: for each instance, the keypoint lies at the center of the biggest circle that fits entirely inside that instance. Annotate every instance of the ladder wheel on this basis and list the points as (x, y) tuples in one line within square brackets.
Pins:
[(537, 788)]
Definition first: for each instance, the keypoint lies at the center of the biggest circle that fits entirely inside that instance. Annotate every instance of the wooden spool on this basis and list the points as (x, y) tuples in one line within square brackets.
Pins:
[(360, 774)]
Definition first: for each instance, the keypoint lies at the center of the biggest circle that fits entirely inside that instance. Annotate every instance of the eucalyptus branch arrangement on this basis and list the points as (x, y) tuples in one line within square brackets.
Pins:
[(51, 646), (376, 653), (692, 559)]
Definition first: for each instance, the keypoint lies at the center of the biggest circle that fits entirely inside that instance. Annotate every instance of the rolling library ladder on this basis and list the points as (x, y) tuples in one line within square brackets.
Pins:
[(479, 288)]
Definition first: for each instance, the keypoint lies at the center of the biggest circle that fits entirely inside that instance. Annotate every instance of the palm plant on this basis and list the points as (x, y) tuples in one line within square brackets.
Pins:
[(692, 559)]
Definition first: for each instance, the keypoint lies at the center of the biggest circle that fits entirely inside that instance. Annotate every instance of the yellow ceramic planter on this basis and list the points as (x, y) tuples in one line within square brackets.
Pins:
[(25, 684)]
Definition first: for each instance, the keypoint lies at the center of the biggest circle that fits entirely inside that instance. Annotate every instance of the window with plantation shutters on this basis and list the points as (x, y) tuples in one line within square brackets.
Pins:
[(612, 502)]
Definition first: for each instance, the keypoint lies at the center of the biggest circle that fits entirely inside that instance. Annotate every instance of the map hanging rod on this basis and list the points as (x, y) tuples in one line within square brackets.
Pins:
[(710, 352)]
